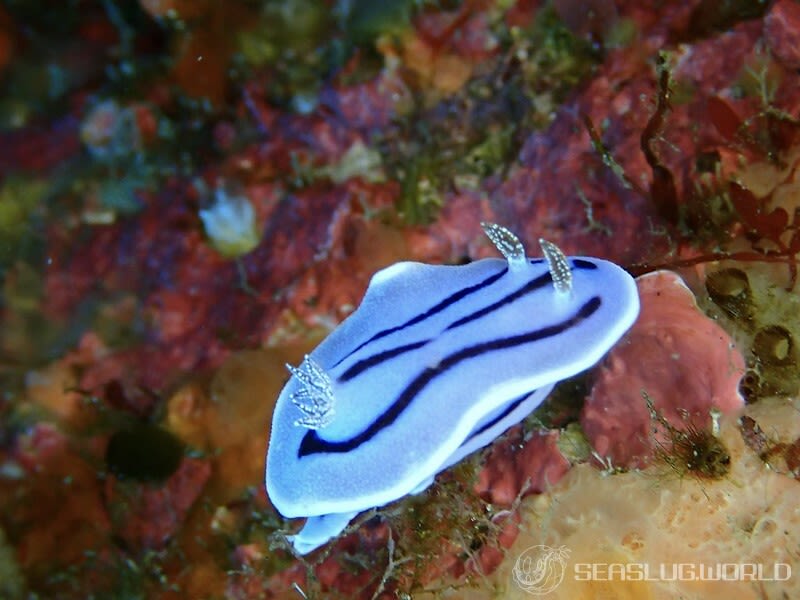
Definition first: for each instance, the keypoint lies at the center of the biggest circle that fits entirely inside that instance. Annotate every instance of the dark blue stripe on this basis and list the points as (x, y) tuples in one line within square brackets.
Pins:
[(437, 308), (580, 263), (512, 406), (313, 444), (531, 286), (376, 359)]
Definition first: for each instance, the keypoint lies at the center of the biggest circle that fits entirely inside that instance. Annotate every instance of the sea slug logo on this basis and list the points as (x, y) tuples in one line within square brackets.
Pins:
[(540, 569)]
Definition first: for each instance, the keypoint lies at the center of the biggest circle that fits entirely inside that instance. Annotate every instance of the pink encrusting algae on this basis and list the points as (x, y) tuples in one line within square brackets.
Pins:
[(656, 135), (682, 360)]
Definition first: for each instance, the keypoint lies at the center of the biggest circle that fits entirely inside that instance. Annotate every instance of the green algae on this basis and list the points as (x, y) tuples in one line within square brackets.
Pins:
[(574, 445), (12, 583), (292, 41), (431, 150), (366, 20), (553, 61), (420, 195), (559, 62), (20, 206)]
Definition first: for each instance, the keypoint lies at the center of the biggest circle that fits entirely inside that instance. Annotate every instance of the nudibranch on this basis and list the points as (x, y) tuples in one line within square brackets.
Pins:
[(435, 363)]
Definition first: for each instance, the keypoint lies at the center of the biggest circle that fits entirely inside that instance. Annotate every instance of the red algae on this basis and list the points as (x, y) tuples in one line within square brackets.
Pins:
[(782, 32), (59, 512), (685, 363), (516, 467), (469, 112), (446, 47), (146, 517)]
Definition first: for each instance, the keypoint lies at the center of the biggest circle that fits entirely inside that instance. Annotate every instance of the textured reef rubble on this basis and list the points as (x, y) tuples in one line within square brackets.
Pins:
[(659, 136), (684, 362), (649, 519)]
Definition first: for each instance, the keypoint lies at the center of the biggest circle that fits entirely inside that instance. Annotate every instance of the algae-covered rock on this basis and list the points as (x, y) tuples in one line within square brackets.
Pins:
[(12, 584)]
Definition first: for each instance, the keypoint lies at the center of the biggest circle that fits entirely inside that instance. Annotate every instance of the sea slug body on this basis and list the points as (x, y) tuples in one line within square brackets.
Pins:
[(435, 363)]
